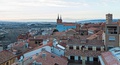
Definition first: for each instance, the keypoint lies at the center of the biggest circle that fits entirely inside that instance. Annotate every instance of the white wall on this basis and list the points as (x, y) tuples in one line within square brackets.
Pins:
[(58, 52), (29, 54), (103, 37)]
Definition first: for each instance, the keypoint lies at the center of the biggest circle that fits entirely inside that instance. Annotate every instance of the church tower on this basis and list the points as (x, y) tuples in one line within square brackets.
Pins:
[(59, 19)]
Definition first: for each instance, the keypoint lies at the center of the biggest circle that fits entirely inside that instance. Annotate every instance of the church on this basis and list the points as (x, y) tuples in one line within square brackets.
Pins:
[(63, 26)]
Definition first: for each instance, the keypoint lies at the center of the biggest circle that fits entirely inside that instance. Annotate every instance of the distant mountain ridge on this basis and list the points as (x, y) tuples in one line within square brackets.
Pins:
[(96, 21), (54, 22)]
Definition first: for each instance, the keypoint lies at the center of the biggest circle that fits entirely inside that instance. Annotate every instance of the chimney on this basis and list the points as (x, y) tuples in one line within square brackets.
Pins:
[(43, 55), (37, 54)]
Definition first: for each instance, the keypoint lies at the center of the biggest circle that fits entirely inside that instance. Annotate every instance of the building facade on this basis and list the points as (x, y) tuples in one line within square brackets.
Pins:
[(111, 33), (63, 26)]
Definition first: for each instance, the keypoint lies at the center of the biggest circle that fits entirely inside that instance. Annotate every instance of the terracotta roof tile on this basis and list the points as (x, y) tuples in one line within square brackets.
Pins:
[(59, 33), (6, 55), (98, 34), (92, 37), (93, 28), (109, 59), (20, 44), (87, 42), (69, 24), (50, 59), (82, 53)]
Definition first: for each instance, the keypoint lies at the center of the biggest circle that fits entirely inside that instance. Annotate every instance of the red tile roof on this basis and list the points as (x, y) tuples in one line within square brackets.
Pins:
[(50, 59), (50, 43), (88, 42), (59, 33), (82, 53), (93, 28), (98, 34), (69, 24), (21, 44), (92, 37), (24, 36), (109, 59), (5, 56)]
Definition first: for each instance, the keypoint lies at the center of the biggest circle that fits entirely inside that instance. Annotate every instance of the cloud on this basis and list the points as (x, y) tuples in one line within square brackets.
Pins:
[(54, 3)]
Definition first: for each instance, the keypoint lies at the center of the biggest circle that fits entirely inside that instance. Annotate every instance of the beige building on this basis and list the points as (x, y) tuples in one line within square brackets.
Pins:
[(7, 58), (85, 49), (111, 33)]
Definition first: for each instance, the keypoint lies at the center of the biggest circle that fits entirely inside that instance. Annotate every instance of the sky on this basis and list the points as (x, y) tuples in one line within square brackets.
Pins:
[(49, 9)]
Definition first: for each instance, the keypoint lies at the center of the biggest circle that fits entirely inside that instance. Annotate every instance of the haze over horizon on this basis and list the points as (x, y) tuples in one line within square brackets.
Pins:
[(49, 9)]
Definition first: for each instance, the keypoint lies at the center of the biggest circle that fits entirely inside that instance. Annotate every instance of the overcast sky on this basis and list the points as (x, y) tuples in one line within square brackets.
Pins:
[(49, 9)]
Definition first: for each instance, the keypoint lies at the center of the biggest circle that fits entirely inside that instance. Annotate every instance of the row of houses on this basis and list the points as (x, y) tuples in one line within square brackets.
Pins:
[(72, 43)]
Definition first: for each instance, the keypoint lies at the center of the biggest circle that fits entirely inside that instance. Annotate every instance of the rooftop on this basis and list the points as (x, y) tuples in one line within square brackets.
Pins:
[(86, 42), (69, 24), (112, 57), (6, 55), (83, 53), (49, 59)]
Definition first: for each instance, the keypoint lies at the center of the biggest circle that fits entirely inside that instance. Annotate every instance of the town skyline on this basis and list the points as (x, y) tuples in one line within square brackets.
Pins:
[(49, 9)]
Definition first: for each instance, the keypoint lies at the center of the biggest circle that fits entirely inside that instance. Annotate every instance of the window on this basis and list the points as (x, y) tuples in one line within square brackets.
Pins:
[(112, 29), (71, 47), (7, 63), (72, 57), (89, 48), (98, 49), (95, 59), (111, 38), (77, 47), (79, 58), (56, 64), (35, 42), (87, 58)]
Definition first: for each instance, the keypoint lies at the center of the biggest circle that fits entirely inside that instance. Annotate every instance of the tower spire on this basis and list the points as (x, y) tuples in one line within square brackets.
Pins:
[(58, 16), (59, 19)]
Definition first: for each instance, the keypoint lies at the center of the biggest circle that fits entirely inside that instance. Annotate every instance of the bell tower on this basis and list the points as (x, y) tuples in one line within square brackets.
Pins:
[(59, 19), (111, 33)]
